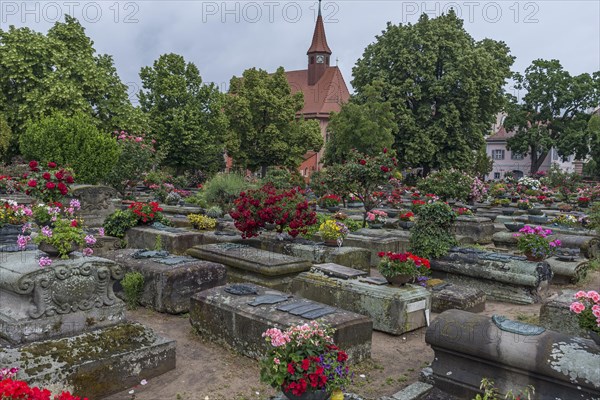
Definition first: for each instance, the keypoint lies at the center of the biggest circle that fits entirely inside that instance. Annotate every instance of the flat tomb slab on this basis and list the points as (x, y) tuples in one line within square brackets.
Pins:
[(395, 310), (93, 364), (556, 315), (66, 298), (230, 320), (248, 264), (173, 240), (170, 281), (448, 296)]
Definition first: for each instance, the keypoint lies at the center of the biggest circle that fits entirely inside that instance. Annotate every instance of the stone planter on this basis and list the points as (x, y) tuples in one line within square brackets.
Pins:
[(537, 219), (376, 225), (53, 251), (355, 204), (406, 225), (399, 280), (331, 243), (333, 209), (508, 211), (514, 226), (9, 233), (310, 394), (535, 211)]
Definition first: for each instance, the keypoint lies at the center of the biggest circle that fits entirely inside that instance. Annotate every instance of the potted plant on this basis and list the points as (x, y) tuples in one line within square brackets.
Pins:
[(401, 268), (534, 242), (333, 232), (587, 308), (13, 389), (583, 201), (464, 211), (406, 220), (12, 218), (376, 219), (331, 202), (566, 220), (524, 204), (49, 184), (304, 362)]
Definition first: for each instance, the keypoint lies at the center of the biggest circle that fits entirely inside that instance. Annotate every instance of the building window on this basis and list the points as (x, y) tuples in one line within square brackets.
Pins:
[(498, 154), (516, 156), (496, 175)]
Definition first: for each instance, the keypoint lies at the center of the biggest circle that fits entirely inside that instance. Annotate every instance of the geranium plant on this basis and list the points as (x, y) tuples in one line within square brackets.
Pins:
[(583, 201), (330, 200), (303, 358), (147, 213), (49, 184), (407, 216), (587, 308), (13, 213), (534, 242), (376, 217), (12, 389), (524, 204), (394, 264), (333, 230), (463, 211)]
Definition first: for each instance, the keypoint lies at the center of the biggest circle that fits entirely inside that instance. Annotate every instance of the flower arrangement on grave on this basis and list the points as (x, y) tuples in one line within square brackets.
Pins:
[(463, 211), (406, 265), (64, 233), (534, 242), (524, 204), (565, 220), (147, 213), (527, 182), (12, 389), (416, 204), (330, 200), (49, 184), (287, 209), (587, 308), (583, 201), (202, 222), (333, 230), (395, 198), (12, 213), (478, 190), (304, 358), (407, 216), (376, 217)]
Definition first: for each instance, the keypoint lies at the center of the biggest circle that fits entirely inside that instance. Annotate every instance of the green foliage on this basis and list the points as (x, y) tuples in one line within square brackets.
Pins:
[(282, 178), (445, 88), (553, 112), (592, 167), (366, 127), (158, 244), (41, 74), (202, 222), (447, 184), (491, 393), (432, 235), (564, 182), (185, 115), (5, 138), (133, 287), (594, 216), (222, 189), (117, 223), (63, 236), (72, 141), (351, 224), (263, 125), (214, 212)]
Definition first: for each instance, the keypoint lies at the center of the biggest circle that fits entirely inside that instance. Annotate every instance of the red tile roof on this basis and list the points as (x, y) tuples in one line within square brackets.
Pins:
[(320, 99), (500, 135), (319, 41)]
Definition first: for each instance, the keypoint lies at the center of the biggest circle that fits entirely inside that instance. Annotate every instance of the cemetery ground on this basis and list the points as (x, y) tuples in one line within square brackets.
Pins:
[(206, 370)]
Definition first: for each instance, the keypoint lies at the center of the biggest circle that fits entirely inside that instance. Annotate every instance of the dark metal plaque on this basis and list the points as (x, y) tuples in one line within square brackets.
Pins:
[(319, 313), (174, 260), (302, 310), (291, 306), (517, 327), (140, 254), (240, 289), (268, 299), (375, 281)]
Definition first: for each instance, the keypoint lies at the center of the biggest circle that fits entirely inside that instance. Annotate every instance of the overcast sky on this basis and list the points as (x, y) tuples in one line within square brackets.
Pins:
[(225, 38)]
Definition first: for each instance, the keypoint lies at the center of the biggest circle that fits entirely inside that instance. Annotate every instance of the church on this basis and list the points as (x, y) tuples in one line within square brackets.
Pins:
[(323, 87)]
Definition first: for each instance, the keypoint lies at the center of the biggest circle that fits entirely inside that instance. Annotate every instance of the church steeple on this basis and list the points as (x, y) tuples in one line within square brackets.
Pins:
[(319, 52)]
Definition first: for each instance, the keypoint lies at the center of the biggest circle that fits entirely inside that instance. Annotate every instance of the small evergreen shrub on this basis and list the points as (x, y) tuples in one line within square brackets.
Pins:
[(223, 189), (214, 212), (133, 287), (447, 184), (117, 223), (432, 236)]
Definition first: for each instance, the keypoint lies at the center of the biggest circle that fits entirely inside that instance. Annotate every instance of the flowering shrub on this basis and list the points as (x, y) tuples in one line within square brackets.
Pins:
[(288, 209), (478, 190), (395, 198), (587, 308), (333, 230), (202, 222), (393, 264), (13, 213), (303, 357), (11, 389), (407, 216), (146, 212), (47, 185), (449, 184), (524, 204), (376, 217), (535, 243), (330, 200), (566, 220), (528, 183)]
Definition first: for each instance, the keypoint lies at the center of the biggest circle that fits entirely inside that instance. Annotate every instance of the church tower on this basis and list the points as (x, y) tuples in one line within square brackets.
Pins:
[(319, 52)]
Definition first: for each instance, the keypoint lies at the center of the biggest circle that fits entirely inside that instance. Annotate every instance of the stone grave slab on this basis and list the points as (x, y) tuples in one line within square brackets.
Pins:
[(230, 320), (589, 246), (394, 310), (448, 296), (469, 347), (248, 264), (173, 240), (556, 315), (93, 364), (474, 229), (502, 277), (566, 272), (170, 281), (68, 297), (339, 271), (376, 244), (96, 203)]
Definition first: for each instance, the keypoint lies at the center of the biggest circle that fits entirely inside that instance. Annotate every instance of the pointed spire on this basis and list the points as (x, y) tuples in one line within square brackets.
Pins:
[(319, 41)]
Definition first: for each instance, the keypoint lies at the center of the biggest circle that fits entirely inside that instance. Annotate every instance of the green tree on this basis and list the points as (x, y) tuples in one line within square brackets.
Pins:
[(592, 167), (185, 115), (5, 136), (366, 125), (445, 88), (72, 142), (553, 112), (263, 123), (60, 71)]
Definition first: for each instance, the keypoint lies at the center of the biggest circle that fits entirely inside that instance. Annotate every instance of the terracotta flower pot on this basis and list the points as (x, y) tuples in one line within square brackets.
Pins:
[(330, 242), (399, 280)]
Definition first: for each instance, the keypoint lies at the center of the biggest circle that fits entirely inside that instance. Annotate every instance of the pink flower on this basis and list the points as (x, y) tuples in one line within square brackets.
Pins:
[(580, 294), (44, 261), (75, 204), (22, 241), (577, 307), (596, 310), (139, 139), (88, 252), (90, 240), (100, 231), (276, 361), (594, 296), (46, 231)]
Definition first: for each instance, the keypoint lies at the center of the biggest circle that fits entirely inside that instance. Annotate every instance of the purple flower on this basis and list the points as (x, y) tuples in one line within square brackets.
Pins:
[(22, 241), (88, 252), (46, 231), (75, 204), (100, 231), (90, 239), (44, 261)]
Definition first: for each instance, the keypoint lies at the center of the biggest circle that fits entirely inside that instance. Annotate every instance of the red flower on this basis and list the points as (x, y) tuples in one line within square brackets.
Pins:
[(33, 165), (51, 164), (384, 150), (305, 364), (32, 183), (290, 368), (384, 168), (63, 188), (46, 176), (362, 162), (50, 185), (70, 179), (342, 356), (74, 223), (59, 175)]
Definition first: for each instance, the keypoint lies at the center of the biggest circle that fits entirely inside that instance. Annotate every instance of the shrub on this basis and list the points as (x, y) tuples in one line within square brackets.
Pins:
[(214, 212), (447, 184), (432, 235), (133, 286), (594, 217), (283, 178), (5, 139), (74, 142), (223, 189), (202, 222), (117, 223)]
